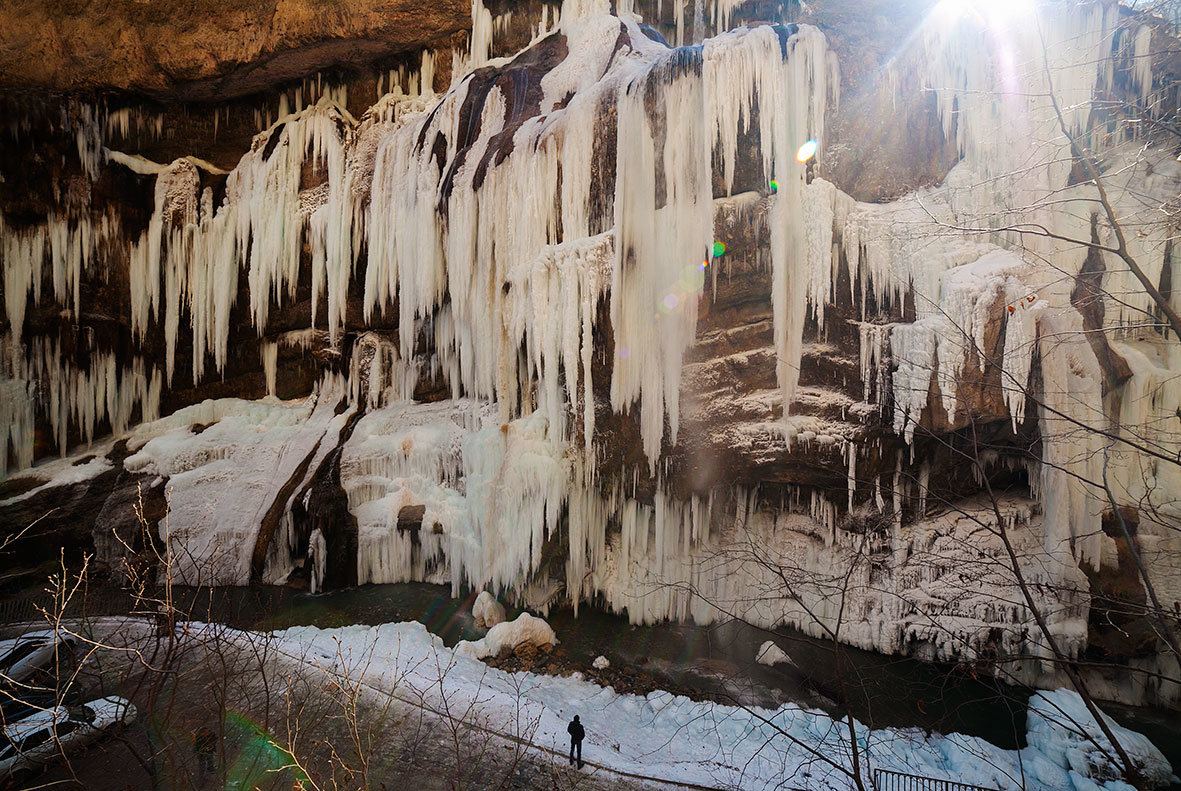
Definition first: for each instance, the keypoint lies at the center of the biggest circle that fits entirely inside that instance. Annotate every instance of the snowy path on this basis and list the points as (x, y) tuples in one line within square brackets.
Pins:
[(533, 746)]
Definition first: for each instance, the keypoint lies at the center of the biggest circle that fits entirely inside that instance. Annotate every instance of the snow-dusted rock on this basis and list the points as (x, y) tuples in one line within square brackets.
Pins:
[(601, 663), (770, 654), (487, 611), (526, 630)]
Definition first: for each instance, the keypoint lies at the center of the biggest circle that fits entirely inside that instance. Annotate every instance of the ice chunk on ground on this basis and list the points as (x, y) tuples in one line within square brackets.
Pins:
[(601, 663)]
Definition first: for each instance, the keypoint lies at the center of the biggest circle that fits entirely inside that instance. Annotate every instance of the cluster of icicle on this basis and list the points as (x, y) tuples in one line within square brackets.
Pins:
[(945, 247), (491, 494), (443, 248), (961, 284), (691, 23), (34, 375), (492, 237), (106, 392)]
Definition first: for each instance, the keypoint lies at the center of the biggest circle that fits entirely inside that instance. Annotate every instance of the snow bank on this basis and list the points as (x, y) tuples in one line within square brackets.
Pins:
[(1060, 727), (487, 611), (526, 630), (676, 739)]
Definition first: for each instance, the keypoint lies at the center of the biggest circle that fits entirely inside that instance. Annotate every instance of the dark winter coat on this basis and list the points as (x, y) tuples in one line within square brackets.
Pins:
[(576, 731)]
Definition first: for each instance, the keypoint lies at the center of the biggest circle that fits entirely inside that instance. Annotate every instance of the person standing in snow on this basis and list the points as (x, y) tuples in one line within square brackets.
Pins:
[(577, 732)]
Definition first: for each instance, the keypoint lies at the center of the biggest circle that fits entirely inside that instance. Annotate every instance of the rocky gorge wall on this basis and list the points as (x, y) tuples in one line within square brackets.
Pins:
[(551, 307)]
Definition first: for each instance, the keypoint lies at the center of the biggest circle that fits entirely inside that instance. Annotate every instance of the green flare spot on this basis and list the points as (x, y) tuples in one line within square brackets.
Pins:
[(719, 249)]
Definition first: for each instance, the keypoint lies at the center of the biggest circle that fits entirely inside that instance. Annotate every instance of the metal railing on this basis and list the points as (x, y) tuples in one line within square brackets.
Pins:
[(885, 780)]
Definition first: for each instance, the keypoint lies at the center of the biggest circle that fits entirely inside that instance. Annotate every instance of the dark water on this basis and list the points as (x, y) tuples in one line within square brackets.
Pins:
[(713, 661)]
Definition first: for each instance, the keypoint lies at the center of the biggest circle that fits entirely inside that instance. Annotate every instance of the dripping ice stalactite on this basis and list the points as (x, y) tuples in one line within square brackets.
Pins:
[(652, 244), (557, 295), (377, 183), (107, 392), (791, 91), (961, 283), (17, 412), (67, 245), (317, 559), (260, 228)]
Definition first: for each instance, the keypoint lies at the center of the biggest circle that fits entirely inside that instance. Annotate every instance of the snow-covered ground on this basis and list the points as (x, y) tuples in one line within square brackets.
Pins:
[(672, 738)]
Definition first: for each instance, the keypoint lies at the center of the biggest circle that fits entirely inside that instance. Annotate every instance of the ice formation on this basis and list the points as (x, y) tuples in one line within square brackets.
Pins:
[(222, 480), (556, 210), (317, 558), (46, 380), (1060, 726)]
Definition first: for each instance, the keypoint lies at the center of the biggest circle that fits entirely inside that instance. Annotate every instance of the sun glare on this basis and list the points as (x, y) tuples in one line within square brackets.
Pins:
[(994, 11)]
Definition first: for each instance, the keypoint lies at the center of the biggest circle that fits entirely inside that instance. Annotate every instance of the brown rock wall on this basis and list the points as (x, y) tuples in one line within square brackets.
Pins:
[(207, 49)]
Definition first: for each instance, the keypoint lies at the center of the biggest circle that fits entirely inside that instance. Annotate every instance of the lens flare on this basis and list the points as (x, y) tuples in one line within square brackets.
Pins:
[(807, 151), (670, 302), (775, 184), (719, 249)]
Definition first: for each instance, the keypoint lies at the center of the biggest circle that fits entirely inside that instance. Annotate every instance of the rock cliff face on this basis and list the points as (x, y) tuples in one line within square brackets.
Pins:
[(208, 50), (549, 305)]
